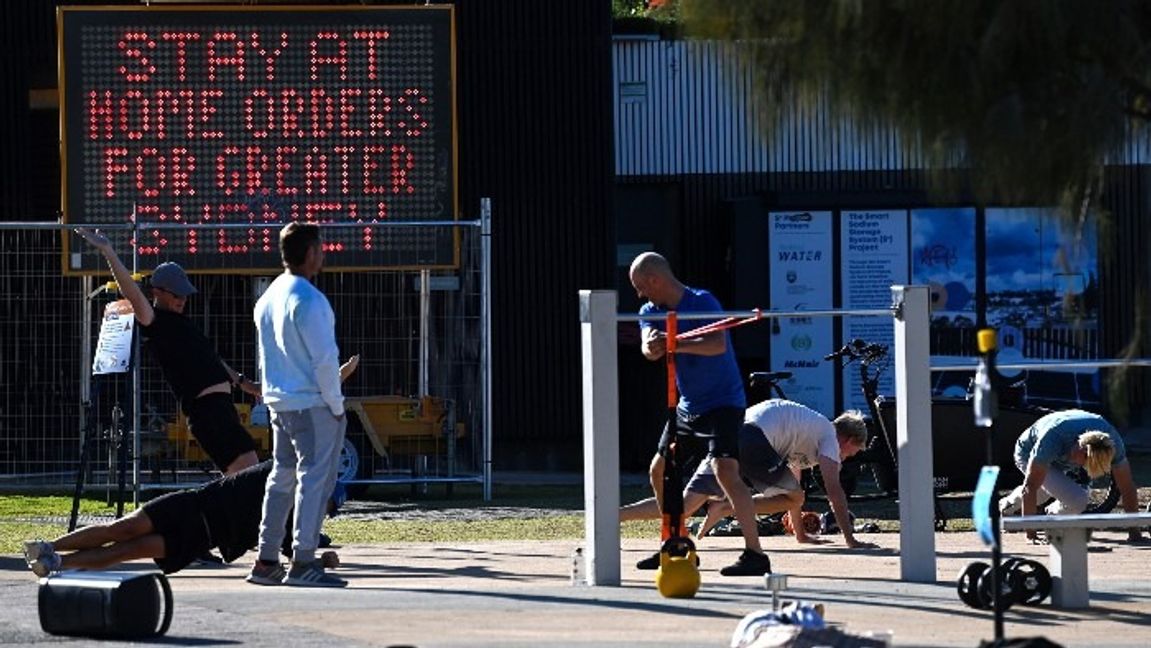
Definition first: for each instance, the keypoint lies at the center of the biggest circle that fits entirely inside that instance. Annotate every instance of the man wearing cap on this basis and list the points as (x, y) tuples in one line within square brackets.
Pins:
[(202, 382)]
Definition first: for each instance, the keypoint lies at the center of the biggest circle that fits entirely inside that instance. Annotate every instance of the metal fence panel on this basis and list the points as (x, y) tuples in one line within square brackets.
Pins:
[(419, 377)]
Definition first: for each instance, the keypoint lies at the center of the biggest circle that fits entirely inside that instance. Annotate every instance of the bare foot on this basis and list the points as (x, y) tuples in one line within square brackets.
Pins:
[(716, 511)]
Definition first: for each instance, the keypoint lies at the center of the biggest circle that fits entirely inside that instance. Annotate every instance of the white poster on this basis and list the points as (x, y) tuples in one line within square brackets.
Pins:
[(114, 347), (874, 254), (799, 253)]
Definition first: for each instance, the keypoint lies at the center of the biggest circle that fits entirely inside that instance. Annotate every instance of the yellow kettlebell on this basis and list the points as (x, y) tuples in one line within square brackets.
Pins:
[(678, 573)]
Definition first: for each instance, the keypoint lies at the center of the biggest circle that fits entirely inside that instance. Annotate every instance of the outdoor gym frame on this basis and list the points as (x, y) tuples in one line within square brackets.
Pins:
[(598, 322), (910, 310)]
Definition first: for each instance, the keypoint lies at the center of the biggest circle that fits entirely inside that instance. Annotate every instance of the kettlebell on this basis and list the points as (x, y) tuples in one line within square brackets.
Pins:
[(678, 573)]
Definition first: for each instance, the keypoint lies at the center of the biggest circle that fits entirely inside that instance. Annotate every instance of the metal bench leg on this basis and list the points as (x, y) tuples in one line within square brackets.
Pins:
[(1068, 563)]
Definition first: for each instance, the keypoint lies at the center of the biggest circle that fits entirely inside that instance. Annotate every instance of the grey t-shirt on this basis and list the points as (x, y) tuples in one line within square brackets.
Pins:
[(798, 433), (1051, 439)]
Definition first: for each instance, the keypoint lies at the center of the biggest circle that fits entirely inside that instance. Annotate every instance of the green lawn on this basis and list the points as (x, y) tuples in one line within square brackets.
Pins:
[(24, 517), (542, 512)]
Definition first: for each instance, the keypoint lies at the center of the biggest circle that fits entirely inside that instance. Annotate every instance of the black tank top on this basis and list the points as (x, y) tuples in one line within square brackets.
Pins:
[(185, 355)]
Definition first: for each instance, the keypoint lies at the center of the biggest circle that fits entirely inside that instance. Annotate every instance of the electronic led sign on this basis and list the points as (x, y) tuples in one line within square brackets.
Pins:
[(237, 119)]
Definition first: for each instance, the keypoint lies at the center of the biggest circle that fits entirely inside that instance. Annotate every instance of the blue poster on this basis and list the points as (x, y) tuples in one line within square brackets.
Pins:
[(1042, 296), (943, 258)]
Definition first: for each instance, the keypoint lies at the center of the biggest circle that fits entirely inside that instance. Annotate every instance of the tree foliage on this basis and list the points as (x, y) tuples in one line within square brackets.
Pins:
[(1026, 98), (1029, 95)]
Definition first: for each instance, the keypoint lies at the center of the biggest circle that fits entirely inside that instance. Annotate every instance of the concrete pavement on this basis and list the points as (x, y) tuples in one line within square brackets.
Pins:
[(518, 594)]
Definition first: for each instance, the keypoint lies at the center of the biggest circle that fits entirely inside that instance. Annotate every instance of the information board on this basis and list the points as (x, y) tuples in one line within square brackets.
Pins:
[(238, 119), (874, 257), (800, 265)]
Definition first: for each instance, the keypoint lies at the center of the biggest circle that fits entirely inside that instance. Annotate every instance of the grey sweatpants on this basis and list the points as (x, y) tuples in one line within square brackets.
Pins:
[(305, 456), (1070, 497)]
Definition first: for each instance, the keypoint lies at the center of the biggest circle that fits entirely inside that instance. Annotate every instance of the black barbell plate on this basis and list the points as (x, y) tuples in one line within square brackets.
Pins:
[(1009, 592), (968, 582), (1034, 582)]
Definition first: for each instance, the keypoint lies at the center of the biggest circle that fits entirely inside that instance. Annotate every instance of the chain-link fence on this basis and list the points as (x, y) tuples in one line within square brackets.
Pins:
[(415, 402)]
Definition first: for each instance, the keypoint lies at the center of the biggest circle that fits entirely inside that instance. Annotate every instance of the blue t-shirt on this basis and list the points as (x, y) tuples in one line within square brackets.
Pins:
[(1051, 439), (704, 382)]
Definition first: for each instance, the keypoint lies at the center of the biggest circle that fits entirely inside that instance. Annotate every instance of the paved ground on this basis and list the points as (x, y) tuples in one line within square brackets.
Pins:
[(518, 594)]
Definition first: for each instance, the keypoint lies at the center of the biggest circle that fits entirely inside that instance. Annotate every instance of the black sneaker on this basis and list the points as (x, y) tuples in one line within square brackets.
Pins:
[(209, 559), (651, 563), (749, 563)]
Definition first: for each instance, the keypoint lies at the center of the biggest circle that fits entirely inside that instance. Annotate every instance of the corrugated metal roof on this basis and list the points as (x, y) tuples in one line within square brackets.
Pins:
[(684, 107)]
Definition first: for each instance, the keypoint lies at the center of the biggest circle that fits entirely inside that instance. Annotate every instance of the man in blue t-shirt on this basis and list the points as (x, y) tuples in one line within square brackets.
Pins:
[(711, 401), (1061, 441)]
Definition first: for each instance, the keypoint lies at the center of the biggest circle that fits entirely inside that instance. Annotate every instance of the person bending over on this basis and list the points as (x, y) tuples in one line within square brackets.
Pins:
[(1058, 442), (779, 439)]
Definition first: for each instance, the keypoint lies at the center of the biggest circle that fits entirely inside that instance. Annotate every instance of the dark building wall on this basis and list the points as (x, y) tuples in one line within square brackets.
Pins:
[(29, 176), (1125, 282), (703, 236), (535, 136)]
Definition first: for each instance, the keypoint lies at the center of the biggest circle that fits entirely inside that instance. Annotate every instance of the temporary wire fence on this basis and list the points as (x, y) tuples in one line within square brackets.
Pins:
[(416, 402)]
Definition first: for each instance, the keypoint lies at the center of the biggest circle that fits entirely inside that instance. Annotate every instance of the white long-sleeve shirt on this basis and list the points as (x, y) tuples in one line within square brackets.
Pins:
[(299, 359)]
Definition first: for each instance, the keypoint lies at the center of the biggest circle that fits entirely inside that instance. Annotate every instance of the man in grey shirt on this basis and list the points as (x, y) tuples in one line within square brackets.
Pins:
[(1058, 442)]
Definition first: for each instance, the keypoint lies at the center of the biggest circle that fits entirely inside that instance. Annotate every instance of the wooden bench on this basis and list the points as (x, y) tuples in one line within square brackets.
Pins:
[(1067, 558)]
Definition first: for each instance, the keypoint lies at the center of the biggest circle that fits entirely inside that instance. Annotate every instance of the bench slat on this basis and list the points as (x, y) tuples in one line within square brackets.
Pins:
[(1088, 521)]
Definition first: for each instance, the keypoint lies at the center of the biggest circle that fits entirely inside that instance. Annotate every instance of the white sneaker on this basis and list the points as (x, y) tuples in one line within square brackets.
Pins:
[(1012, 504), (1008, 507), (41, 557)]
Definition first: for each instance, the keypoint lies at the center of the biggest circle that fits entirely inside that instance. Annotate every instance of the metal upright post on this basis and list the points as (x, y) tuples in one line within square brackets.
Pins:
[(913, 423), (135, 376), (425, 328), (986, 409), (486, 337), (86, 289), (600, 436)]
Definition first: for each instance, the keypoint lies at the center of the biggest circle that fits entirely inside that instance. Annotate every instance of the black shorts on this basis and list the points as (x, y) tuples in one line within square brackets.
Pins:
[(719, 428), (213, 420), (178, 519)]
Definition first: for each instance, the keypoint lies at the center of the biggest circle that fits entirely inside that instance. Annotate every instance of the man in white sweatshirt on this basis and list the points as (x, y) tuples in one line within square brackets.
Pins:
[(300, 373)]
